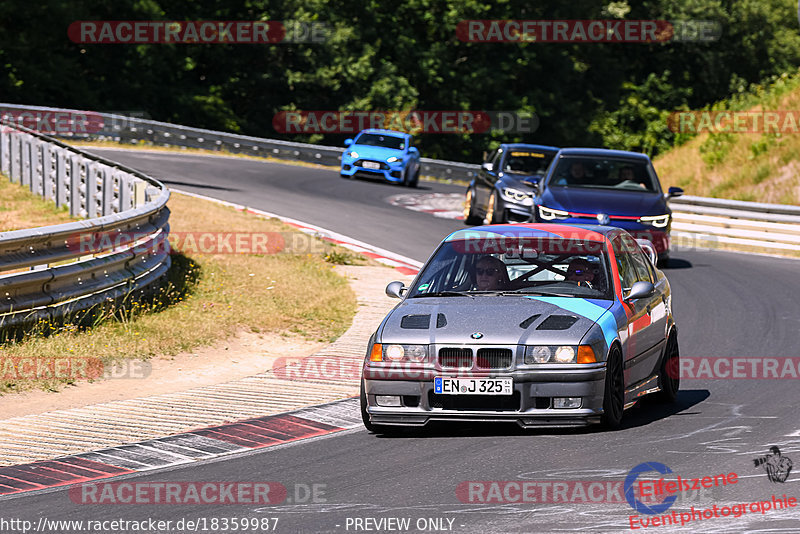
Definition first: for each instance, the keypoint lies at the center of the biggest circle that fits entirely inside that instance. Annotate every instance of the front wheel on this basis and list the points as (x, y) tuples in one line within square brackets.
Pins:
[(614, 394)]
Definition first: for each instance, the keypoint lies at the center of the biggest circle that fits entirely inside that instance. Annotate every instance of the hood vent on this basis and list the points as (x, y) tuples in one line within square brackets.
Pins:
[(529, 321), (415, 322), (558, 322), (441, 321)]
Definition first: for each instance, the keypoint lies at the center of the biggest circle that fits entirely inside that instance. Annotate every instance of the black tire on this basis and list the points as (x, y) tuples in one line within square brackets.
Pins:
[(614, 393), (669, 379), (469, 209), (663, 260), (415, 179)]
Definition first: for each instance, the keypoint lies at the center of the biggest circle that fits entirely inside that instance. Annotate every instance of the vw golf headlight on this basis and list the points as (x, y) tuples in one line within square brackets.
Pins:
[(659, 221), (549, 214), (517, 196), (559, 354)]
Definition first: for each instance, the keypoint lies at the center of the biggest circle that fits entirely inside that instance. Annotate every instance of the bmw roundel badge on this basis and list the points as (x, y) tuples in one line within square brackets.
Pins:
[(603, 219), (476, 335)]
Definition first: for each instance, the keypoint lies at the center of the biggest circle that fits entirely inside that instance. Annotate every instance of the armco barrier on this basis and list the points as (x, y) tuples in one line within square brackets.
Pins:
[(749, 225), (43, 273)]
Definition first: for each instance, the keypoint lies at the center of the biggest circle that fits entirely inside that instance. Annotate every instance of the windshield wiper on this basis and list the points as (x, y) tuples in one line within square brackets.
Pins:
[(442, 294), (537, 291)]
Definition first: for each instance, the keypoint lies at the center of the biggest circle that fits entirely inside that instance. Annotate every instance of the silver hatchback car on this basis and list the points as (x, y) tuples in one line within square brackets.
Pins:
[(540, 324)]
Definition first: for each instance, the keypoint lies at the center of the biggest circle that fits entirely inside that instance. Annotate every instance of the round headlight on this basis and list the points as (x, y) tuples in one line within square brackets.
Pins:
[(415, 353), (540, 354), (354, 154), (394, 352), (565, 355)]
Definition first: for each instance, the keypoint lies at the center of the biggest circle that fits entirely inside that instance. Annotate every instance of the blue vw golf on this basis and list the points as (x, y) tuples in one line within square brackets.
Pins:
[(383, 154), (607, 187)]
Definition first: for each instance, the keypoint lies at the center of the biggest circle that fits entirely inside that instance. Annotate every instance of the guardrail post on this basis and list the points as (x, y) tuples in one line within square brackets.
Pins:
[(37, 168), (107, 205), (48, 173), (14, 175), (91, 189), (139, 188), (74, 186), (4, 155), (125, 200), (61, 178), (27, 162)]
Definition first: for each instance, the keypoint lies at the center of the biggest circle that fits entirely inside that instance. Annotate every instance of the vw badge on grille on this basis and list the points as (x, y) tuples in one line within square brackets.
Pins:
[(603, 219), (476, 335)]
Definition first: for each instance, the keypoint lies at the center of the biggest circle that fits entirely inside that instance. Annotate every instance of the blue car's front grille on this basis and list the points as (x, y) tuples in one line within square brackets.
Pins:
[(360, 163)]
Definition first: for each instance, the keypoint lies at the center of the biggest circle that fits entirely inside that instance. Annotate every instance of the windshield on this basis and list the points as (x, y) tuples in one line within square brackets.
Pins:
[(557, 267), (598, 173), (527, 162), (386, 141)]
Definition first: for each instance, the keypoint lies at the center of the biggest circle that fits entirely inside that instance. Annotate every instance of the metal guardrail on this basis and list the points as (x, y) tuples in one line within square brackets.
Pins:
[(707, 221), (119, 128), (52, 271), (748, 225)]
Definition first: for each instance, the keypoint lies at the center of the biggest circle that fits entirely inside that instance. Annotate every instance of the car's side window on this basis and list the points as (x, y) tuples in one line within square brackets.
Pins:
[(639, 261), (627, 271)]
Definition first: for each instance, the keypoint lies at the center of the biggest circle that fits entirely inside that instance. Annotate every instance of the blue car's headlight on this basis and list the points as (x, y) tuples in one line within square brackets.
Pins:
[(392, 159), (659, 221), (353, 154)]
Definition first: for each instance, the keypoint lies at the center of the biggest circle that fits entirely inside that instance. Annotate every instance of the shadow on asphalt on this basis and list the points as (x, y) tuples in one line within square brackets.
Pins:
[(644, 413), (676, 263), (199, 186)]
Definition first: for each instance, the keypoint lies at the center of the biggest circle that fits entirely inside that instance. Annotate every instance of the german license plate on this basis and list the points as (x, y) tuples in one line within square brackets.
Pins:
[(371, 165), (473, 386)]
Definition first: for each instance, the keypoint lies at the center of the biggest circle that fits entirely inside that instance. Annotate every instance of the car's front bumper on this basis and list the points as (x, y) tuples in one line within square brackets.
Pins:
[(531, 404), (391, 172)]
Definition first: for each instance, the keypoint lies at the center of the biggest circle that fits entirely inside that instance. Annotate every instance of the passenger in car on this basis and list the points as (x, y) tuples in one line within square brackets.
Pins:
[(490, 274), (583, 273)]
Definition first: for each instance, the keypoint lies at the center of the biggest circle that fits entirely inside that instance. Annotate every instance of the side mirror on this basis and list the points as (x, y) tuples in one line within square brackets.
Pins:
[(395, 290), (649, 249), (640, 290), (348, 142), (673, 192), (488, 167), (413, 150)]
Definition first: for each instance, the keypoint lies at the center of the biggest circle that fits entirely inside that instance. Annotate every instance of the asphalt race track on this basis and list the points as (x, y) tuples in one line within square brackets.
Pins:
[(725, 304)]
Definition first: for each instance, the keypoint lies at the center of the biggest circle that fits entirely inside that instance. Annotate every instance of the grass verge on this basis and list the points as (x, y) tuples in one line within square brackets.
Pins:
[(20, 209), (211, 297)]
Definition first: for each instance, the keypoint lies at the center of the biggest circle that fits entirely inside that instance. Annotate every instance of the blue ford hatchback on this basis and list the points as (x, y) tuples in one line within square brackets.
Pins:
[(385, 154), (607, 187)]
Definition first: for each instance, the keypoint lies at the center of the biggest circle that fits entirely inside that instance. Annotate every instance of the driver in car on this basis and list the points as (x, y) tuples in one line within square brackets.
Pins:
[(490, 274)]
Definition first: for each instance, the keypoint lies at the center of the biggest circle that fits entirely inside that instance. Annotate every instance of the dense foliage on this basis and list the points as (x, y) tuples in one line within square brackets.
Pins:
[(389, 56)]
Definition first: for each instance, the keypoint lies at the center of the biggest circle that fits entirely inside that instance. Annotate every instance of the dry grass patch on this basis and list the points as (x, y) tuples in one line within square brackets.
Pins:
[(20, 209), (210, 298)]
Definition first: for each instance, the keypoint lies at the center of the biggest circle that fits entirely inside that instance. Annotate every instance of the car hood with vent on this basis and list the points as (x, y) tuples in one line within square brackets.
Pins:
[(492, 320)]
